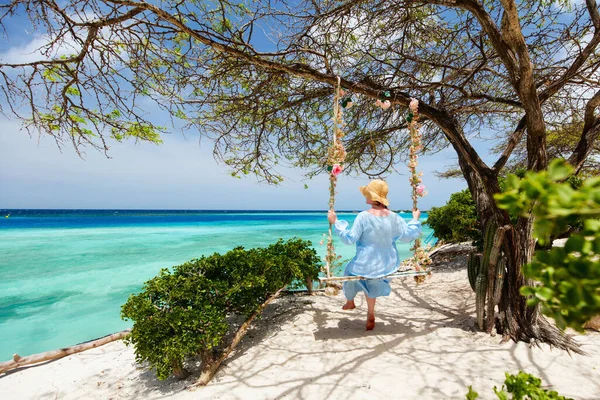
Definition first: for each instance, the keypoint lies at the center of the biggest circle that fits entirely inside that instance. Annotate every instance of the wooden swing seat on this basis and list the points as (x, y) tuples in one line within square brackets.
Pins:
[(401, 273)]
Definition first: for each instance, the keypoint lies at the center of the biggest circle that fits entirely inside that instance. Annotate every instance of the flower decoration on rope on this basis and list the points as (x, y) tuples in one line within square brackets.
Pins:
[(337, 154), (413, 107), (421, 258), (335, 159), (347, 102), (337, 169), (384, 101), (346, 99)]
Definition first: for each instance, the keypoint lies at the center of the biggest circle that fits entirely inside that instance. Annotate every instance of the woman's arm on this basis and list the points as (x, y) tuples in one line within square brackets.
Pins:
[(411, 231), (348, 236)]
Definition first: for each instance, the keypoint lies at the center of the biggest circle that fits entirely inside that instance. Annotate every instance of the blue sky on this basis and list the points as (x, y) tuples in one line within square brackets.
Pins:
[(179, 174)]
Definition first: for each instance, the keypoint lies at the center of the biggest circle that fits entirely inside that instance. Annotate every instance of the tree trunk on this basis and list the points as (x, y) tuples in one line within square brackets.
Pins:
[(211, 364), (179, 371), (309, 284), (518, 321)]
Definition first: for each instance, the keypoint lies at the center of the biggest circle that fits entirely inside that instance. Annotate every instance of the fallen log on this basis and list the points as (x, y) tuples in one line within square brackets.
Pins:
[(19, 361)]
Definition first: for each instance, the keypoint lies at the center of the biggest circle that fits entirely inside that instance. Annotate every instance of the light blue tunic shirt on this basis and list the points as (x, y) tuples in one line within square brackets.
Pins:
[(375, 237)]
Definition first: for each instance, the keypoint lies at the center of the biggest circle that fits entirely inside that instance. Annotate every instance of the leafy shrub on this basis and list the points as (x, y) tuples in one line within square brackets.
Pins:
[(185, 312), (569, 277), (522, 387), (457, 220)]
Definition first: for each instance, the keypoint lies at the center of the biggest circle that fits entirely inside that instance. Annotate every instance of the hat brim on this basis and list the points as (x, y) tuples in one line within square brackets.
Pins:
[(373, 196)]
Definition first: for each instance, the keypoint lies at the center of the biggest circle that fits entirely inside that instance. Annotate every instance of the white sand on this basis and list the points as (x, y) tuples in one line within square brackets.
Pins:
[(424, 346)]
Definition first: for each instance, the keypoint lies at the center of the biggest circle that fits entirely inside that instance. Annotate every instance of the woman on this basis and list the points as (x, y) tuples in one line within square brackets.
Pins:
[(374, 231)]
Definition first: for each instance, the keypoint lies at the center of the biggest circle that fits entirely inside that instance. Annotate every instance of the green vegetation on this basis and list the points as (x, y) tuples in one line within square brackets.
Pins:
[(569, 277), (522, 386), (188, 311), (457, 220)]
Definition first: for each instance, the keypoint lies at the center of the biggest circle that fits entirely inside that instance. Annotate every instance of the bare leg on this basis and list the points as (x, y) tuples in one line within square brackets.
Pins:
[(371, 313), (349, 305)]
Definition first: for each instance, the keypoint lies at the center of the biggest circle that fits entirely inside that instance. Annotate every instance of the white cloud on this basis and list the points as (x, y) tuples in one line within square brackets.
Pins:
[(36, 50)]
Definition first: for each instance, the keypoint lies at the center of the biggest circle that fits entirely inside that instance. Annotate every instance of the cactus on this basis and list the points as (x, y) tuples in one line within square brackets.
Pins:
[(488, 243), (480, 291), (499, 280), (477, 269), (473, 263), (478, 281)]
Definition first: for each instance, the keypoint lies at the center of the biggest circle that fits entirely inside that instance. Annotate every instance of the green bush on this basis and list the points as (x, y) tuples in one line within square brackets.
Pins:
[(186, 312), (457, 220), (522, 387), (568, 277)]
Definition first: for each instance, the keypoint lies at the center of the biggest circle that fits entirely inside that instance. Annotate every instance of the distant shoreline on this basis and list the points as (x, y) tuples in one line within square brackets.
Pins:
[(182, 211)]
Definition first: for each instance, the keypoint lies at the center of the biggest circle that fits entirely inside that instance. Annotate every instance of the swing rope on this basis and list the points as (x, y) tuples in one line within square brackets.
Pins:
[(335, 158), (420, 260)]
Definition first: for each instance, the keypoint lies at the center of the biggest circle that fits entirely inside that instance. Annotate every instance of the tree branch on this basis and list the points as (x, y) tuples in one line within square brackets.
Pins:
[(590, 133), (514, 139)]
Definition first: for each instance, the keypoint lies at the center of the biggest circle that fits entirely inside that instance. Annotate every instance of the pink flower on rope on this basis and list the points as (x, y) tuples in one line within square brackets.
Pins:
[(413, 105), (421, 190), (337, 169), (378, 103)]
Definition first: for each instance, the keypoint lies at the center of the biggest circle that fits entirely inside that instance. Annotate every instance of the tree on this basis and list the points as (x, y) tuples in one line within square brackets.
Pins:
[(568, 278), (256, 77)]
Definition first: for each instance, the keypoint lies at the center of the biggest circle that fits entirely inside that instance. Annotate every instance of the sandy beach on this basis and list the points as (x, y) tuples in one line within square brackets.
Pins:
[(424, 346)]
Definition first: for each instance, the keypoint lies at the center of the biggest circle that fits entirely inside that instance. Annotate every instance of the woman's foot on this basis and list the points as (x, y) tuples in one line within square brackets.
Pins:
[(349, 305), (370, 322)]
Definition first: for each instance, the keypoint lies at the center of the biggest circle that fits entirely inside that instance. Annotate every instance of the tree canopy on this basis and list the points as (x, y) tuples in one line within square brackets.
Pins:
[(256, 76)]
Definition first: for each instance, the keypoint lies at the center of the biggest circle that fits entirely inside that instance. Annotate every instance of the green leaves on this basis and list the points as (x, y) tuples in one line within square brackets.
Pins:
[(522, 386), (472, 395), (568, 279), (187, 311), (555, 204), (457, 220), (146, 132)]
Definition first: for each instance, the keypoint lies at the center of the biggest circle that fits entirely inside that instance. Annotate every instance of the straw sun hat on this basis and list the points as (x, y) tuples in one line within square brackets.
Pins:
[(376, 190)]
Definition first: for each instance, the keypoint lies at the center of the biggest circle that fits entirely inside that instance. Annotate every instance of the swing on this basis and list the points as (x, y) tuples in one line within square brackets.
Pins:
[(336, 157)]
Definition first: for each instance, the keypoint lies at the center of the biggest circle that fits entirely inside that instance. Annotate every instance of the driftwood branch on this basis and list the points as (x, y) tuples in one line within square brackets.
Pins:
[(19, 361)]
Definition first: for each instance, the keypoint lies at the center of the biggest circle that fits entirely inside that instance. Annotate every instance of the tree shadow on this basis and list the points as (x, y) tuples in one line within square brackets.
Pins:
[(267, 324)]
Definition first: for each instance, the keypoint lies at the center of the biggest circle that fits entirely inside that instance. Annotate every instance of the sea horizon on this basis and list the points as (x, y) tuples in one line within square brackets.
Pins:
[(185, 209)]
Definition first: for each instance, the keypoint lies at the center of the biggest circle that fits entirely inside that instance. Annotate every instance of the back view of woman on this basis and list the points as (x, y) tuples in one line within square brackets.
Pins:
[(375, 232)]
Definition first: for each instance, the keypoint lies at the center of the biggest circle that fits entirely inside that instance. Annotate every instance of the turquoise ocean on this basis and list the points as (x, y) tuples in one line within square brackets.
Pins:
[(64, 274)]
